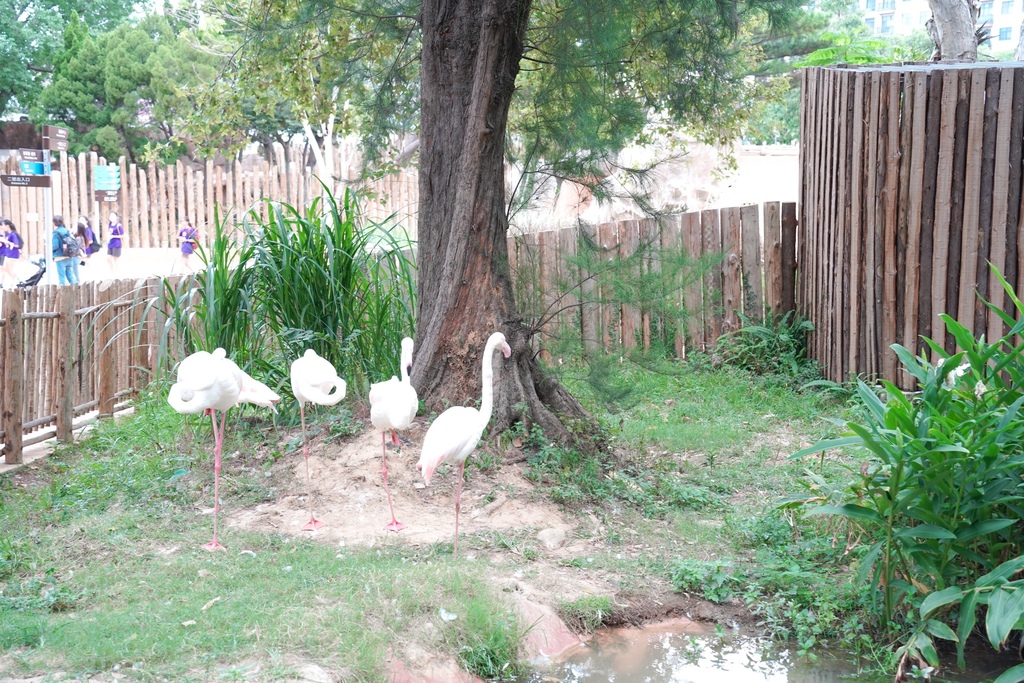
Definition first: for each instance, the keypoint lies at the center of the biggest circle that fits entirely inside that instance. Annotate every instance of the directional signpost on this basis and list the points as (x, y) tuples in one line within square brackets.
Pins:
[(106, 182)]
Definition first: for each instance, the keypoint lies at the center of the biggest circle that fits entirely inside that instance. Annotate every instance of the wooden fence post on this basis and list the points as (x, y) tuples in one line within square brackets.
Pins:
[(65, 362), (789, 224), (14, 378), (107, 352)]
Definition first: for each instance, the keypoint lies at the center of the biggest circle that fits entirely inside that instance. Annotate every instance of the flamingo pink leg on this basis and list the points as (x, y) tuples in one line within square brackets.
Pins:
[(458, 506), (218, 443), (313, 524), (395, 525)]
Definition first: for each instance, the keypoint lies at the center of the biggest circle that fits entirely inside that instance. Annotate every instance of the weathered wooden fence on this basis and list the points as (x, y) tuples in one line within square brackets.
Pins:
[(911, 185), (154, 201), (70, 353), (74, 353), (756, 273)]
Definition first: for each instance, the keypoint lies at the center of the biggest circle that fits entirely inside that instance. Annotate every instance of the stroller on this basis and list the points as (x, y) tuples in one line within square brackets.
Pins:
[(33, 279)]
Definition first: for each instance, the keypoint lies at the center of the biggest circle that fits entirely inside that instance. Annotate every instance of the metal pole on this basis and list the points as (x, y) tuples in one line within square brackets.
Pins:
[(48, 220)]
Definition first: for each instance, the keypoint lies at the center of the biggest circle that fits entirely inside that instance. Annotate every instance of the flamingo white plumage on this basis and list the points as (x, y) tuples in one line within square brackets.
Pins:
[(457, 431), (208, 382), (313, 380), (393, 406)]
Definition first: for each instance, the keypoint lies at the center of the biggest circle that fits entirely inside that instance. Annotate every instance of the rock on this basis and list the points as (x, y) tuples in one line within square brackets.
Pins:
[(311, 673), (552, 538)]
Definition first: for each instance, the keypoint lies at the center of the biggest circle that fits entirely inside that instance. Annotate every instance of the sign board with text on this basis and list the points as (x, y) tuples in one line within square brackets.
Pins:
[(34, 167), (30, 155), (106, 195), (25, 180), (55, 132), (55, 144), (106, 177)]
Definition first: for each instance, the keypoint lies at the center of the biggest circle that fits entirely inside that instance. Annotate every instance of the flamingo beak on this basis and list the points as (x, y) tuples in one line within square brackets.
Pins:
[(506, 350), (408, 369)]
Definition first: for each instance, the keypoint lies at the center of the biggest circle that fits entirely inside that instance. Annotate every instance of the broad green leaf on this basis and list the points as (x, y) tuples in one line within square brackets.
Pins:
[(968, 615), (925, 646), (1013, 675), (941, 598), (983, 528), (924, 531), (1002, 573), (940, 630), (826, 445), (911, 363), (1005, 607)]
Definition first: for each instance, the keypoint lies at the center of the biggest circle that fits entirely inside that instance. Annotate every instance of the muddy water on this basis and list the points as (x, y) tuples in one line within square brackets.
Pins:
[(684, 652)]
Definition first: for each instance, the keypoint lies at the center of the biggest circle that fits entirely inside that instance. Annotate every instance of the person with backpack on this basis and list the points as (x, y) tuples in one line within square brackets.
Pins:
[(114, 230), (65, 252), (11, 243)]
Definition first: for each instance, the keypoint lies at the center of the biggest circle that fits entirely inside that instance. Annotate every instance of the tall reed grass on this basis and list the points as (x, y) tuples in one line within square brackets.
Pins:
[(310, 279)]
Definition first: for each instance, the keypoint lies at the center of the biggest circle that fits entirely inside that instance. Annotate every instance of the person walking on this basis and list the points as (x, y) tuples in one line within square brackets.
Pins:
[(11, 243), (114, 232), (65, 252), (84, 237), (188, 236)]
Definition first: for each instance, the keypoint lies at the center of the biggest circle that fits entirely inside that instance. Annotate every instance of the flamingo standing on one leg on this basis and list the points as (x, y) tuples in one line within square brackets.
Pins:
[(457, 431), (313, 380), (393, 406), (208, 382)]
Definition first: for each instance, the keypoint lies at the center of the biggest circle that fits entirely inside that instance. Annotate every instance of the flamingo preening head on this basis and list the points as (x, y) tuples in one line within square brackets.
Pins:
[(393, 406), (208, 382), (314, 380), (457, 431)]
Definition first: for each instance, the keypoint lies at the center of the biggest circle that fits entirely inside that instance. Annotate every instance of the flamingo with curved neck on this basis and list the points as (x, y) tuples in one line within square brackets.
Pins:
[(457, 431)]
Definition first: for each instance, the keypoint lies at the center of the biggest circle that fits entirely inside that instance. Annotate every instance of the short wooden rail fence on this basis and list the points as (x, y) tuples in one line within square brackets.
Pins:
[(71, 354), (154, 201), (757, 273), (912, 183)]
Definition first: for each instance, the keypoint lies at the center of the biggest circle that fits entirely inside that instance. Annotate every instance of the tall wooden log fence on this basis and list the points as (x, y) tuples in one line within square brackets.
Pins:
[(74, 353), (911, 185), (154, 201)]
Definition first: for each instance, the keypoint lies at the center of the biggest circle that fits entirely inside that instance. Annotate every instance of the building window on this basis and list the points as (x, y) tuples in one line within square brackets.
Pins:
[(906, 20), (1007, 6), (869, 5), (888, 4), (1004, 33), (887, 23), (922, 18), (986, 10), (870, 23)]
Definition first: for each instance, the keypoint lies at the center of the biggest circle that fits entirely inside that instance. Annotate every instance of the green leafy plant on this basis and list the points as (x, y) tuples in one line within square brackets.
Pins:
[(939, 495), (713, 580), (776, 347)]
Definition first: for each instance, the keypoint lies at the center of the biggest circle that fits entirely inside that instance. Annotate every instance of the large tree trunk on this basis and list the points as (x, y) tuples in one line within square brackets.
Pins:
[(952, 29), (470, 58)]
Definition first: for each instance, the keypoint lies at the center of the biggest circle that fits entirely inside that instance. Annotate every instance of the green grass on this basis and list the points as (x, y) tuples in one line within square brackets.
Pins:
[(103, 568)]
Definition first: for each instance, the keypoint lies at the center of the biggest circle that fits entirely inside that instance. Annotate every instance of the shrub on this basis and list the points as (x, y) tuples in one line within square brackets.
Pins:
[(585, 614)]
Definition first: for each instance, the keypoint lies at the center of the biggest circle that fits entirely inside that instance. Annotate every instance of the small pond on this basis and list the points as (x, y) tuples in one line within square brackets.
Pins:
[(684, 652)]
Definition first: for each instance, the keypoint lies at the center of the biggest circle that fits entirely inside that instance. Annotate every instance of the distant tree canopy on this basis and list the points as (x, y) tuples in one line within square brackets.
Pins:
[(30, 38)]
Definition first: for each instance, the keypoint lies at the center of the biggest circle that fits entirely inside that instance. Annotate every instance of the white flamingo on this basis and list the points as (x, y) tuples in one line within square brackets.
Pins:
[(393, 406), (313, 379), (457, 431), (208, 382)]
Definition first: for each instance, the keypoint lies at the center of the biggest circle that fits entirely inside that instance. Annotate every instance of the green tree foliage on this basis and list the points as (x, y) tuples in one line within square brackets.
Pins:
[(30, 39), (121, 90)]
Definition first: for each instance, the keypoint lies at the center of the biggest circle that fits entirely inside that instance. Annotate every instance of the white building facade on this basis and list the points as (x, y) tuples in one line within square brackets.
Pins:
[(900, 17)]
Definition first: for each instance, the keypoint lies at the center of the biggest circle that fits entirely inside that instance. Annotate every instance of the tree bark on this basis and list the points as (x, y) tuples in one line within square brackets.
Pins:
[(954, 27), (470, 59)]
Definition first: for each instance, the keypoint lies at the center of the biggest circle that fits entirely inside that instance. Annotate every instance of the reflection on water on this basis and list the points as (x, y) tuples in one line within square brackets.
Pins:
[(684, 652)]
